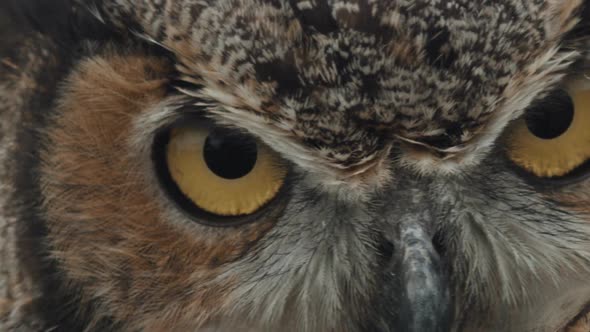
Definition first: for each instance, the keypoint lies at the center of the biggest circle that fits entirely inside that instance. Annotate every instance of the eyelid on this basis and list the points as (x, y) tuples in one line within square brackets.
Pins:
[(579, 82)]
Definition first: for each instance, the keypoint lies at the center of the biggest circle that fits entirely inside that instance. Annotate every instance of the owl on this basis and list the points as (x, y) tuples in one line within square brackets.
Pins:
[(295, 165)]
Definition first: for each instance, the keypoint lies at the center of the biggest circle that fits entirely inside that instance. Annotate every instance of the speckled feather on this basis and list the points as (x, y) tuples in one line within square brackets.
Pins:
[(444, 75)]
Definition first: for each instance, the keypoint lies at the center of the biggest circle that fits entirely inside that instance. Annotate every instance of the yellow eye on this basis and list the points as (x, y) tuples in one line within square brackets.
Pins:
[(222, 172), (553, 139)]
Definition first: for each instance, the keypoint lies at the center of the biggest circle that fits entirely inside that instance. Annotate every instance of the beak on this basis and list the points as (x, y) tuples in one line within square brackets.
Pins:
[(415, 293), (425, 301)]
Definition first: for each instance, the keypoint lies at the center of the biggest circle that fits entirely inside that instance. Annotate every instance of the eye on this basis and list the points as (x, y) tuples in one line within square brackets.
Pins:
[(553, 139), (218, 172)]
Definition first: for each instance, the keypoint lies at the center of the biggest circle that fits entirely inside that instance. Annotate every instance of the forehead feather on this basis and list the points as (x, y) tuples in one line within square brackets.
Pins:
[(343, 78)]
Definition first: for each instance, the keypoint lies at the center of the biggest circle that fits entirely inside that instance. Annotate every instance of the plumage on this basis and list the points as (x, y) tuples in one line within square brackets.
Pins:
[(399, 209)]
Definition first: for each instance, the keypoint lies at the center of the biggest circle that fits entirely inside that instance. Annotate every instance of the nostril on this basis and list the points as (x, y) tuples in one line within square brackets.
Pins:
[(439, 244), (385, 249)]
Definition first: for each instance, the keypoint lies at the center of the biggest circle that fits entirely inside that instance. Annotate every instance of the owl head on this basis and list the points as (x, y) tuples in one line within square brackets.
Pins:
[(296, 165)]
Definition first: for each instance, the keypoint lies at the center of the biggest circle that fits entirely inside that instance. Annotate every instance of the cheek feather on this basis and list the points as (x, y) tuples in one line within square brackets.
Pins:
[(574, 199), (105, 228)]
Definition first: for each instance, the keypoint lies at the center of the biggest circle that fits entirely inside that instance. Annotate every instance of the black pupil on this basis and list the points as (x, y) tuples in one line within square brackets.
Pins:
[(552, 117), (230, 155)]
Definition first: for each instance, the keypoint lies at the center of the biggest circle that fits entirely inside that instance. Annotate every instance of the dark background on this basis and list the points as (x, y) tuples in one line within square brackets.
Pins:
[(8, 34), (4, 22)]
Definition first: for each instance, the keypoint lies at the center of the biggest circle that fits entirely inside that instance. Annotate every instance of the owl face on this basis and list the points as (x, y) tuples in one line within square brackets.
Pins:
[(300, 165)]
